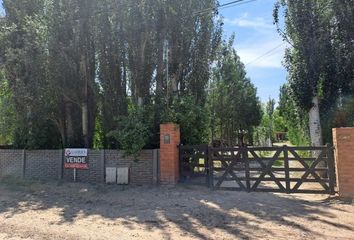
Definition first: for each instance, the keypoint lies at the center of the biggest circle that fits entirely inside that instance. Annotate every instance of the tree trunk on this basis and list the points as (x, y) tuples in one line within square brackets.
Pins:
[(174, 83), (160, 52), (159, 72), (61, 128), (315, 123), (85, 134), (84, 105), (140, 101), (84, 114), (271, 131), (69, 125), (316, 131)]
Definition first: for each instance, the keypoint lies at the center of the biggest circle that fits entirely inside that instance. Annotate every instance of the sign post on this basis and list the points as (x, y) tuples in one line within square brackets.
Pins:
[(76, 158)]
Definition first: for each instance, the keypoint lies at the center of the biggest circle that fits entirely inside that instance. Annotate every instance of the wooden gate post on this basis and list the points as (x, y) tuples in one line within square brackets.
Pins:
[(169, 153), (343, 139)]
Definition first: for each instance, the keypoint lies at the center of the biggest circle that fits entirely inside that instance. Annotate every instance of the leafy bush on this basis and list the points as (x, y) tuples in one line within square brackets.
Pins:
[(192, 118), (133, 132), (140, 128)]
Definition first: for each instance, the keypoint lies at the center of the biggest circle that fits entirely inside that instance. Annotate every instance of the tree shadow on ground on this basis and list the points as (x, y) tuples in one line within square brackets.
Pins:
[(190, 209)]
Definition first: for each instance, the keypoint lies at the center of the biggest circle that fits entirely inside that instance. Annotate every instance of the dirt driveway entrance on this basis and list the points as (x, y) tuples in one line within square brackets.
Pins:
[(76, 211)]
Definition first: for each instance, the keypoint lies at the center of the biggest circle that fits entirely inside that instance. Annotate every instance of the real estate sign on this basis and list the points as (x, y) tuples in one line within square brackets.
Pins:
[(76, 158)]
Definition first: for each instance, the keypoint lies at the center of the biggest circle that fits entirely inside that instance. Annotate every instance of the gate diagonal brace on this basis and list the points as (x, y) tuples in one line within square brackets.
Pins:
[(231, 172), (257, 158), (228, 170), (268, 171), (234, 176), (310, 170)]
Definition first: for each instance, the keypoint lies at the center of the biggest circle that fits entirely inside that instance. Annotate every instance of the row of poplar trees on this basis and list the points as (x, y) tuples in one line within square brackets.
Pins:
[(106, 73), (319, 94)]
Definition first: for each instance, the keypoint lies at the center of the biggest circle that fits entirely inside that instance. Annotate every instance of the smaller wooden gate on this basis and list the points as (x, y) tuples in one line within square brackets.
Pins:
[(272, 169), (194, 164)]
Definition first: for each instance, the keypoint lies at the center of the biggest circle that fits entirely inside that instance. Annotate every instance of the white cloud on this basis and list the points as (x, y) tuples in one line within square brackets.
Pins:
[(258, 43), (268, 54), (247, 22)]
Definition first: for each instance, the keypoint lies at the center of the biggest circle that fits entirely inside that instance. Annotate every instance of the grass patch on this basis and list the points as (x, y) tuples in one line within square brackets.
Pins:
[(278, 163), (263, 154)]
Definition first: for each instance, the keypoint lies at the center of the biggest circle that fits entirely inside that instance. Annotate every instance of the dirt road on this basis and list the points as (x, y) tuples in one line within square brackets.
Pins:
[(77, 211)]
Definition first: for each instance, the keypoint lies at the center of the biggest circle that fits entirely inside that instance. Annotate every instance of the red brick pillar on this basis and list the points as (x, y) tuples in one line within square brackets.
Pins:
[(169, 154), (343, 139)]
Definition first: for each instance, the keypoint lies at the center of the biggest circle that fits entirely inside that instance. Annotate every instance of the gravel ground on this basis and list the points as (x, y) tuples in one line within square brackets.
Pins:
[(78, 211)]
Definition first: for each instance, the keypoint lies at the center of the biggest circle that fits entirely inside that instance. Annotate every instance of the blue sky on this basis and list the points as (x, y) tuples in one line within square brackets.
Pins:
[(256, 35)]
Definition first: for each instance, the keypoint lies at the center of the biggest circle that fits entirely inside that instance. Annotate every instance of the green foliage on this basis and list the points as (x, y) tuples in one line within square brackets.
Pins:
[(7, 113), (233, 102), (320, 61), (280, 124), (271, 123), (192, 118), (310, 61), (269, 109), (72, 67), (296, 120), (132, 132), (261, 135), (59, 58), (98, 138), (24, 63)]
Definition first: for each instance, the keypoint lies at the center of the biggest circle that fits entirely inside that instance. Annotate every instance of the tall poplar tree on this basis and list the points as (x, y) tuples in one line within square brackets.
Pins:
[(310, 60), (234, 105)]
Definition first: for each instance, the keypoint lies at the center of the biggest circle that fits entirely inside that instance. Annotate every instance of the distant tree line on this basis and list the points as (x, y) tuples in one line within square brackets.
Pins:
[(106, 73), (234, 106)]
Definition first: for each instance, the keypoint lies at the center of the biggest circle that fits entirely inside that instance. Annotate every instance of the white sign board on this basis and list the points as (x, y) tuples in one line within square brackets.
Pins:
[(76, 158)]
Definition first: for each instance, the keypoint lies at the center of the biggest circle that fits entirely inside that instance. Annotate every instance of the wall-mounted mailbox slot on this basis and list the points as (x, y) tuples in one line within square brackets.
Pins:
[(166, 139)]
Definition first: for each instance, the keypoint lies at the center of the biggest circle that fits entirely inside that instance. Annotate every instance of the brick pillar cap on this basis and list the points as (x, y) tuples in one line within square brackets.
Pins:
[(343, 128), (169, 125)]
